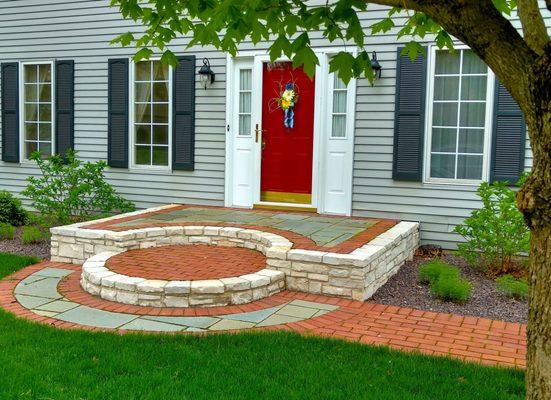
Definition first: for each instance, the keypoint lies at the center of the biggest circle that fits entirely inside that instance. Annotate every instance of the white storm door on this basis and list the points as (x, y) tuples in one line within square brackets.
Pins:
[(242, 130), (338, 146)]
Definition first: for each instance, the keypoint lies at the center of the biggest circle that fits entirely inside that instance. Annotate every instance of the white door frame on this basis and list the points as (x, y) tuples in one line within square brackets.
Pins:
[(256, 60)]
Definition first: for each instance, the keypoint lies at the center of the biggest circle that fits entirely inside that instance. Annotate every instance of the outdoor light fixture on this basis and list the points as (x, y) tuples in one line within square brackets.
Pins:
[(375, 66), (206, 76)]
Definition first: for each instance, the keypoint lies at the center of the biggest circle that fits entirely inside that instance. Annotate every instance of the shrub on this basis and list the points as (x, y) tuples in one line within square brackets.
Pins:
[(6, 231), (70, 189), (31, 234), (450, 287), (512, 287), (444, 281), (11, 210), (496, 233), (431, 271)]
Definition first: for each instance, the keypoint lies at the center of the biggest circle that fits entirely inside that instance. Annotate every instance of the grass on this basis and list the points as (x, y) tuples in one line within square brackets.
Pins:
[(6, 231), (513, 287), (31, 234), (41, 362), (445, 281)]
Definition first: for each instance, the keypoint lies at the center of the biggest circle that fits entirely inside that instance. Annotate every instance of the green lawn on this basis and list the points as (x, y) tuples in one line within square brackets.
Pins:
[(39, 362)]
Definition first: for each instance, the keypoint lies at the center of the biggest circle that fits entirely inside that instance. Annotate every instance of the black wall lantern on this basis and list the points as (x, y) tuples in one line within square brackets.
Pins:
[(375, 66), (206, 76)]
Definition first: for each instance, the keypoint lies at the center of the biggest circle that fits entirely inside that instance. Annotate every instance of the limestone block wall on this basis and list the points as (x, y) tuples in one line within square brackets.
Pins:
[(356, 275), (99, 280)]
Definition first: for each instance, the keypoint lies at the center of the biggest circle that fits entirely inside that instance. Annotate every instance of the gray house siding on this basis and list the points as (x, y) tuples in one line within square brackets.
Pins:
[(82, 31)]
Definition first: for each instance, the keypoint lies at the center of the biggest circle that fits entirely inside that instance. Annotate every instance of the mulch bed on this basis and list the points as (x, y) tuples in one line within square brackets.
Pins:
[(404, 290), (40, 250)]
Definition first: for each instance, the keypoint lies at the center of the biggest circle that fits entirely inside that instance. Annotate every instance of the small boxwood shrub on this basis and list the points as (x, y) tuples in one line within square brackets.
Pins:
[(11, 210), (496, 233), (431, 271), (445, 281), (70, 189), (6, 231), (512, 287), (450, 287), (31, 234)]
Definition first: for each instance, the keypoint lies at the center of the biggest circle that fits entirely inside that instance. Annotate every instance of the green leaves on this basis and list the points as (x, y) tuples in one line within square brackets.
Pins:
[(143, 54), (70, 189), (505, 6), (496, 232), (286, 25), (169, 58), (413, 49)]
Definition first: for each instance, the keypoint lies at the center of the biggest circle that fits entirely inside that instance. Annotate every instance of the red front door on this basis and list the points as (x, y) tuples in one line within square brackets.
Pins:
[(287, 153)]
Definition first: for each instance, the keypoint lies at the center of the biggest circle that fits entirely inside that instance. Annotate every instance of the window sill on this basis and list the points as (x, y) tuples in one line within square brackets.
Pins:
[(432, 182)]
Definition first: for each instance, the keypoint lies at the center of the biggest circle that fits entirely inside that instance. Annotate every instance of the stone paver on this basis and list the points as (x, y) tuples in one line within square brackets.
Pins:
[(192, 322), (31, 301), (142, 324), (88, 316), (228, 324), (468, 338), (322, 231)]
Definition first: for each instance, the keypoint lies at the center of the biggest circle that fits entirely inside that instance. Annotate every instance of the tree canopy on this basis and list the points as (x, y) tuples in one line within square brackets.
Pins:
[(288, 25)]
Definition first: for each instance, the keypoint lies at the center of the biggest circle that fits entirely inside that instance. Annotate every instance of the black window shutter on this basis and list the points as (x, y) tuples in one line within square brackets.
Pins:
[(117, 113), (508, 138), (10, 111), (183, 121), (409, 118), (64, 106)]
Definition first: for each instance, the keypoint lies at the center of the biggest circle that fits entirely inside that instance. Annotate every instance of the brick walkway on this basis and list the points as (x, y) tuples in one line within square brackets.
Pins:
[(306, 231), (51, 295), (187, 262)]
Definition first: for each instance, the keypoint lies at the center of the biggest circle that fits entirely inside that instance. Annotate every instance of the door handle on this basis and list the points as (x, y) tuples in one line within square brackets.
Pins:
[(257, 132)]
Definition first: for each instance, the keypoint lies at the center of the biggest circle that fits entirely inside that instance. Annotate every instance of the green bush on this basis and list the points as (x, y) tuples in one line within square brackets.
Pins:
[(450, 287), (31, 234), (512, 287), (445, 281), (496, 233), (11, 210), (70, 189), (6, 231), (431, 271)]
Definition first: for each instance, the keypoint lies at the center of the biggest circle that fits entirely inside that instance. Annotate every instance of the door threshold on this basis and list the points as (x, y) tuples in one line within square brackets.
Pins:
[(285, 207)]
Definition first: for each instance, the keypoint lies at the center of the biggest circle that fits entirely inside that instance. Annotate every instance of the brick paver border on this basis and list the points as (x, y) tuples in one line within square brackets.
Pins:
[(467, 338)]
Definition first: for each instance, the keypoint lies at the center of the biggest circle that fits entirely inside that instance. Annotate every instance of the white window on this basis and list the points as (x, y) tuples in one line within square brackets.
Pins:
[(339, 111), (152, 119), (245, 95), (37, 113), (458, 117)]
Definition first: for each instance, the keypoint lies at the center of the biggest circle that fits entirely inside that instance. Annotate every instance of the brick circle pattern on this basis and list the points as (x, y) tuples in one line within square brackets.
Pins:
[(184, 262)]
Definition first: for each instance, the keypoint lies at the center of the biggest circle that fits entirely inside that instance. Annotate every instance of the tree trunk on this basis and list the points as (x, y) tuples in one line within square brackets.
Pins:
[(534, 200)]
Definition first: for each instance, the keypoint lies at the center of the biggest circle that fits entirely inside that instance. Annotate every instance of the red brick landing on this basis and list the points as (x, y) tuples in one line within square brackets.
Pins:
[(185, 263)]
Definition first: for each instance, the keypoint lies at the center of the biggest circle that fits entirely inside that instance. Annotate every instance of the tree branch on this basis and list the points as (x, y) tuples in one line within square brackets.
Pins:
[(478, 24), (535, 32)]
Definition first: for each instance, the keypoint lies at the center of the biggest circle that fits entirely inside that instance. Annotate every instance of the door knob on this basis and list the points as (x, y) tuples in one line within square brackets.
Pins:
[(263, 144)]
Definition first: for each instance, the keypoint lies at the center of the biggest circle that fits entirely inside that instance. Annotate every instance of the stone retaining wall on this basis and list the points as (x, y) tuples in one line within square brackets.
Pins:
[(355, 276), (98, 280)]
